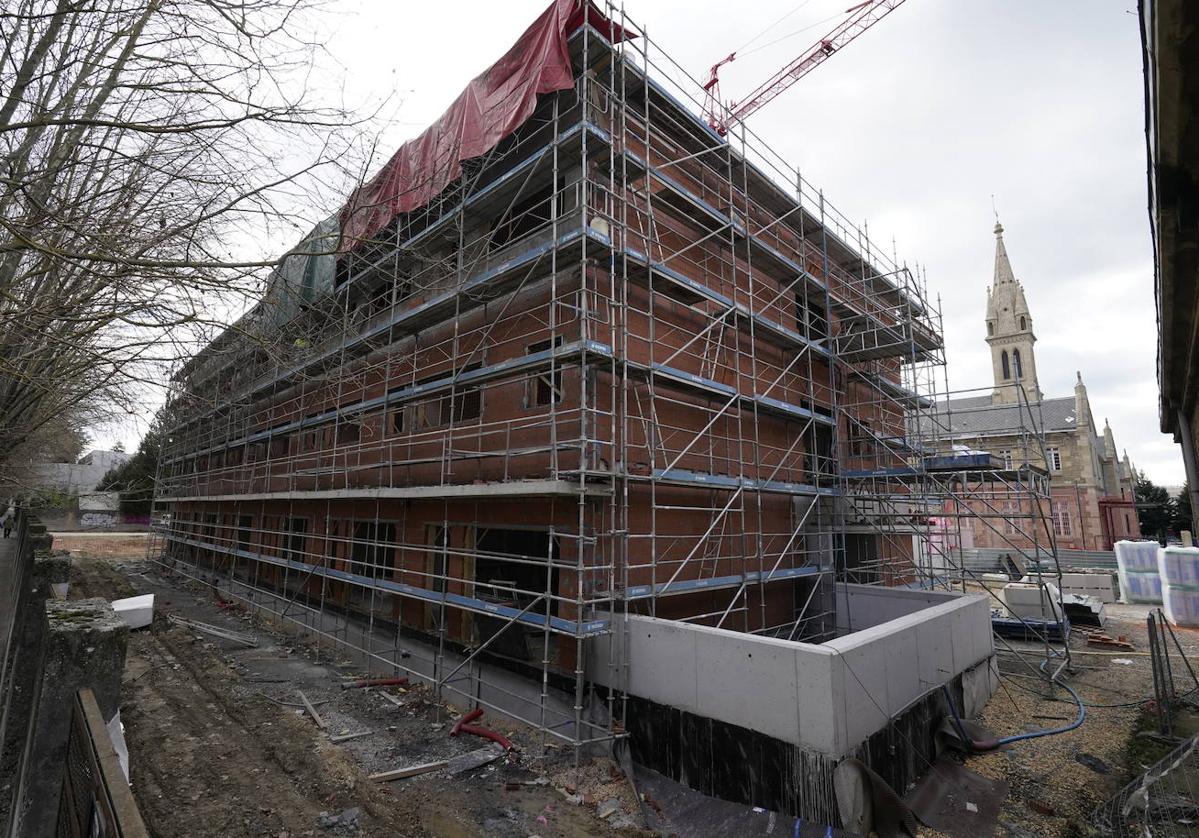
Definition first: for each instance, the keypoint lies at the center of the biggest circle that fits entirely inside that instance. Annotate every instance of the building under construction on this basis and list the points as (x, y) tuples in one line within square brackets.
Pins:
[(579, 407)]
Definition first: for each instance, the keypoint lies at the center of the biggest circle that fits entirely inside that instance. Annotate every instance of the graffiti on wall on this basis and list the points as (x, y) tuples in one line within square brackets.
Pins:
[(91, 520)]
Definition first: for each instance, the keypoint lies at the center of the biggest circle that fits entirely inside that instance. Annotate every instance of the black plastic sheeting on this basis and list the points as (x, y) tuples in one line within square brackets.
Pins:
[(743, 766)]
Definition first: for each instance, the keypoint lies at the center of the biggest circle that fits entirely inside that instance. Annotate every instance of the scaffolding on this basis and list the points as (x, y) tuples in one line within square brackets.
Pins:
[(622, 365)]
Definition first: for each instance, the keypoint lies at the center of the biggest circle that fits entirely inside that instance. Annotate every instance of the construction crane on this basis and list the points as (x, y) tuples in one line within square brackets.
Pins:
[(859, 18)]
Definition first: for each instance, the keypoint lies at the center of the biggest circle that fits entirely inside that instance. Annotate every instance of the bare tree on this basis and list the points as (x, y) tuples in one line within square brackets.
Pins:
[(153, 154)]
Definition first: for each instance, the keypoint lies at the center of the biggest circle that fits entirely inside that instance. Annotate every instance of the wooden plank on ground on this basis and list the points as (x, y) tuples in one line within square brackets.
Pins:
[(410, 771), (345, 737), (311, 710)]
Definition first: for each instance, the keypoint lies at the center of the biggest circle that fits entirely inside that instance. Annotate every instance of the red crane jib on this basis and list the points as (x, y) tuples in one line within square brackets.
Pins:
[(860, 18)]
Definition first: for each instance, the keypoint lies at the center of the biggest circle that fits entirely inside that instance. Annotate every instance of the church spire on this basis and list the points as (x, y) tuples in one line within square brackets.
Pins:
[(1010, 332), (1003, 267)]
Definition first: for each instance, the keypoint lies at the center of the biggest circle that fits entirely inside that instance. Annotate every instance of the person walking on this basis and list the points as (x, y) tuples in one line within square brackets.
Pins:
[(9, 518)]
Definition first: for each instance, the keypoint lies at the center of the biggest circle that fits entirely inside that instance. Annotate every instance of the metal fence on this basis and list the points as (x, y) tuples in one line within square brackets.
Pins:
[(96, 799), (989, 559), (1162, 802)]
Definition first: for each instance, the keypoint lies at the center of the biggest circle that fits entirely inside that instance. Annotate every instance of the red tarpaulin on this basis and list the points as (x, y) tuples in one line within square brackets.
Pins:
[(493, 105)]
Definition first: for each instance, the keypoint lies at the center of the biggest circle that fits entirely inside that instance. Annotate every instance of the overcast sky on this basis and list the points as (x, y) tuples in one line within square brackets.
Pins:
[(912, 129)]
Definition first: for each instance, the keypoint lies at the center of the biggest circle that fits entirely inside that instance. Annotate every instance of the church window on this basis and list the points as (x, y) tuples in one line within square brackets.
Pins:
[(1061, 521), (990, 328), (1016, 363), (1023, 324), (1007, 371), (1055, 459)]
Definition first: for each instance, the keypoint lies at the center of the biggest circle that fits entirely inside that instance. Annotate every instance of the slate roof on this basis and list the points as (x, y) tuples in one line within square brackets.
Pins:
[(976, 416)]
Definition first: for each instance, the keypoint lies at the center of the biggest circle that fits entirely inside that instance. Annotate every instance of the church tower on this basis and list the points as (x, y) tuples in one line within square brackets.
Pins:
[(1009, 332)]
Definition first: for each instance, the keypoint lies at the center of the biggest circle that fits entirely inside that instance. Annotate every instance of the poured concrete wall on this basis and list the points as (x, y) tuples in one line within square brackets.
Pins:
[(863, 606), (828, 698)]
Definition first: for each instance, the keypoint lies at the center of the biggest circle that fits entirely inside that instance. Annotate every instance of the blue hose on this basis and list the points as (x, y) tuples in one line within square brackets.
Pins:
[(1082, 717), (1019, 737)]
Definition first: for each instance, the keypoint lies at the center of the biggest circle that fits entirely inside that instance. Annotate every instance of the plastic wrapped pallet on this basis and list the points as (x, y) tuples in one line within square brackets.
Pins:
[(1137, 555), (1140, 587), (1181, 605), (1137, 564), (1179, 566)]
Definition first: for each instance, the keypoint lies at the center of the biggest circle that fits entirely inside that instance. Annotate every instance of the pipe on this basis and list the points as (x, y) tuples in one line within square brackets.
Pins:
[(993, 744), (465, 719), (488, 733), (463, 725), (374, 682)]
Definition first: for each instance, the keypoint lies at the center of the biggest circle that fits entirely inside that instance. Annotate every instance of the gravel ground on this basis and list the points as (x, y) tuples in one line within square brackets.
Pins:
[(1057, 781)]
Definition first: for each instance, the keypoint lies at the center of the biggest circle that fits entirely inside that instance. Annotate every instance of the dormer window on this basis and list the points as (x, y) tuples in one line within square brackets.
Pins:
[(990, 328), (1023, 323)]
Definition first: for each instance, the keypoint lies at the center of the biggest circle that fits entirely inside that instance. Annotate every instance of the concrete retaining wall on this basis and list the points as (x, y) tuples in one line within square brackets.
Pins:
[(864, 606), (827, 698)]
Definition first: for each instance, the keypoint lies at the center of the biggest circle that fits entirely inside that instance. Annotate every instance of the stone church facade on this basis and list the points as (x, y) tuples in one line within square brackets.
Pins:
[(1091, 485)]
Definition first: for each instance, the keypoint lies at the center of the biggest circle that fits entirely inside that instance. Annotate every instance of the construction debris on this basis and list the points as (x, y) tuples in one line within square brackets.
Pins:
[(374, 682), (474, 759), (397, 702), (215, 631), (1106, 641), (136, 611), (410, 771), (345, 821), (311, 710), (345, 737)]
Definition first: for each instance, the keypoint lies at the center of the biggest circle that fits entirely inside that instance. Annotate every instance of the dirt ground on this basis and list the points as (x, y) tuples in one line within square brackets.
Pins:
[(115, 545), (218, 745)]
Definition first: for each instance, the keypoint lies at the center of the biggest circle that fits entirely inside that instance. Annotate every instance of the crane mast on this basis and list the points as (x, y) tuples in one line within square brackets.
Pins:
[(860, 18)]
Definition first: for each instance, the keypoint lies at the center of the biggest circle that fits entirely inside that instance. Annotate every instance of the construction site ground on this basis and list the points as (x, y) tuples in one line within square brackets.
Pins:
[(217, 745), (1056, 782)]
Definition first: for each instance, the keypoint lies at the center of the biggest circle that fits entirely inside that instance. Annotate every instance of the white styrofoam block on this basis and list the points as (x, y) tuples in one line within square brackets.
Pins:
[(1090, 584), (1136, 555), (1181, 605), (1031, 601), (1179, 566), (136, 611)]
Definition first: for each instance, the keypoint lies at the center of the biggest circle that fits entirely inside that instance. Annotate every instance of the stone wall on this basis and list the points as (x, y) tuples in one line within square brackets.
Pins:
[(49, 649)]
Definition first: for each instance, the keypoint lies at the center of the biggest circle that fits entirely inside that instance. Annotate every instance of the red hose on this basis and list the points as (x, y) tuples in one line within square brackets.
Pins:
[(375, 682), (488, 733), (465, 719), (463, 725)]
